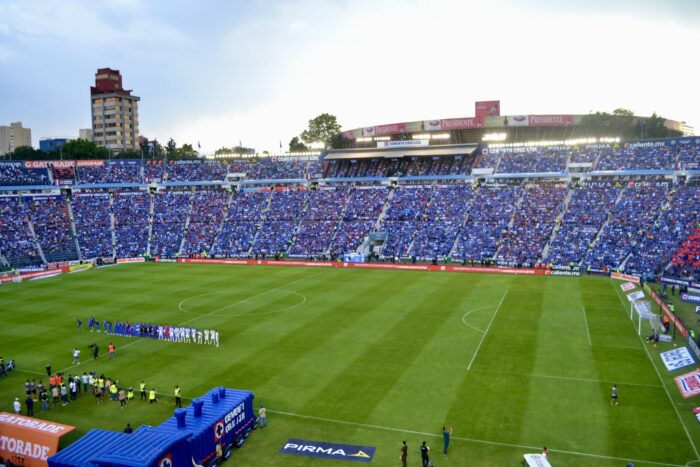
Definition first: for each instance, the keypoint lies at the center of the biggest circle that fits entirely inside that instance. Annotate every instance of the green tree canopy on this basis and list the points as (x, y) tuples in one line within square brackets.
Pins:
[(82, 149), (23, 153), (295, 145), (321, 130), (654, 127)]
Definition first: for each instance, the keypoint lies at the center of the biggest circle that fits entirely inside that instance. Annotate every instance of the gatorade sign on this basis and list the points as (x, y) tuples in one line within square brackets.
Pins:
[(30, 439)]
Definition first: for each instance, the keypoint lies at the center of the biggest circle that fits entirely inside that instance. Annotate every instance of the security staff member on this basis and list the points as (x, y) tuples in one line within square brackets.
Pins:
[(142, 386), (178, 400)]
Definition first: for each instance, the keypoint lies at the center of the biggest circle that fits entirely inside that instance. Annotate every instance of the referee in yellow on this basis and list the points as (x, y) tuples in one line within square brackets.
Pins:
[(178, 399)]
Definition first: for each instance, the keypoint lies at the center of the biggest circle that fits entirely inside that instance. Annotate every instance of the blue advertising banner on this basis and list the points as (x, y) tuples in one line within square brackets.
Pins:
[(341, 452), (686, 297)]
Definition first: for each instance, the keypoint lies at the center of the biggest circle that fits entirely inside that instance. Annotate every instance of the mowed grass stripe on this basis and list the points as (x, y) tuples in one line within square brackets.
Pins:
[(378, 367)]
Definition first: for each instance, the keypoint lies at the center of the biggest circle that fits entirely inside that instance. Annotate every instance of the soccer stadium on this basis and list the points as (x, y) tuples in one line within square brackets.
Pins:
[(480, 246), (366, 296)]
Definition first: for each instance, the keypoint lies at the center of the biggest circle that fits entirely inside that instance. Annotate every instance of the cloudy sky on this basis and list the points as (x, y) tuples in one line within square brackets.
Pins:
[(256, 71)]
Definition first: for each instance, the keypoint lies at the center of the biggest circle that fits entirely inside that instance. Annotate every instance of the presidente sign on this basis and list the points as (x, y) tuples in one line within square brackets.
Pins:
[(340, 452), (688, 384), (30, 438)]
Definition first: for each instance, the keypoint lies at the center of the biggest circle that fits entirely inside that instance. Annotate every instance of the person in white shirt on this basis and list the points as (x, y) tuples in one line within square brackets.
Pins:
[(76, 356), (216, 337), (206, 336), (17, 406)]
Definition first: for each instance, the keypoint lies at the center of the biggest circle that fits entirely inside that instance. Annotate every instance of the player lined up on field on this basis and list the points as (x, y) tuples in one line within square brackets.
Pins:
[(153, 331)]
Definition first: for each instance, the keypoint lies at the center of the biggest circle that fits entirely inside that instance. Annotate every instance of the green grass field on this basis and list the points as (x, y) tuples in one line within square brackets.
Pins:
[(512, 363)]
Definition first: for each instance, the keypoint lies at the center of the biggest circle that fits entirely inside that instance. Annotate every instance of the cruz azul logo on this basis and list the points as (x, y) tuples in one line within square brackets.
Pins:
[(226, 424), (341, 452)]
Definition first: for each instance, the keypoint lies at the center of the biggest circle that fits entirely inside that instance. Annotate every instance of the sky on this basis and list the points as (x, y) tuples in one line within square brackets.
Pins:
[(255, 71)]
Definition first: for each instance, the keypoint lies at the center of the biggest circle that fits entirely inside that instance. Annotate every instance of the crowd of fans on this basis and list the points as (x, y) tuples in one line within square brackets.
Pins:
[(241, 223), (208, 209), (170, 211), (604, 223), (14, 174), (16, 241), (52, 226), (93, 224), (587, 211), (131, 222)]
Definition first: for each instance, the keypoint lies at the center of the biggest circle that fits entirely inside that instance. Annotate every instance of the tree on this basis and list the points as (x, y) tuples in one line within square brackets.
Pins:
[(82, 149), (623, 112), (23, 153), (321, 130), (340, 141), (170, 148), (295, 145), (129, 155), (654, 127), (144, 148), (186, 152)]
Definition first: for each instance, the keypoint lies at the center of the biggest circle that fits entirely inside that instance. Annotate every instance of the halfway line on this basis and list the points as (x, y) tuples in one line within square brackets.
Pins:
[(487, 330)]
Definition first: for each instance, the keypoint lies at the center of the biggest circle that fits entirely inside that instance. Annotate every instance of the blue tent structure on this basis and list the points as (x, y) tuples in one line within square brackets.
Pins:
[(222, 417), (83, 452)]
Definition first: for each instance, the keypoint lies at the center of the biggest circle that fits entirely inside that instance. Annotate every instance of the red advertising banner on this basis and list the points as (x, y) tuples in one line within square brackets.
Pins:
[(393, 129), (624, 277), (396, 267), (688, 384), (487, 108), (29, 440), (62, 164), (131, 260), (451, 124), (551, 120), (30, 275)]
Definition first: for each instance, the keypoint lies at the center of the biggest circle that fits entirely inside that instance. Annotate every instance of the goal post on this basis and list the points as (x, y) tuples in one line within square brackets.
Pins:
[(642, 310)]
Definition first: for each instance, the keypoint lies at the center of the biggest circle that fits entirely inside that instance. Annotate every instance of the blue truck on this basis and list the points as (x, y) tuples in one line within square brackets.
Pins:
[(203, 434)]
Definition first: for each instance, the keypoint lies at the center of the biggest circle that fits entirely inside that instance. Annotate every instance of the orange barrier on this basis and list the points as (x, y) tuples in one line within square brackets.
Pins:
[(29, 440)]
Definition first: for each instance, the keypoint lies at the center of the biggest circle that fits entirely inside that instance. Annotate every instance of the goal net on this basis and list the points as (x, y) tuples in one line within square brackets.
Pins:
[(640, 311)]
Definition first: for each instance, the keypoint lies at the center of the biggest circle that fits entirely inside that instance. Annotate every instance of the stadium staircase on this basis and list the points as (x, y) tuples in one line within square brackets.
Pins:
[(297, 227), (597, 158), (112, 224), (380, 219), (498, 163), (36, 241), (72, 228), (339, 225), (518, 203), (602, 227), (262, 219), (3, 261), (557, 223), (187, 225), (224, 218), (151, 215)]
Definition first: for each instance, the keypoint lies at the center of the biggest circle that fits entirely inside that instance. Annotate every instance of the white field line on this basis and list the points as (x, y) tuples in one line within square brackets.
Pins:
[(585, 320), (670, 399), (231, 304), (567, 378), (472, 311), (251, 297), (469, 440), (469, 367)]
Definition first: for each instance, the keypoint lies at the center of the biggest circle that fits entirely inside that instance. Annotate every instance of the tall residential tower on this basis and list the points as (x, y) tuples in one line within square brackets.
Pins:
[(14, 136), (115, 116)]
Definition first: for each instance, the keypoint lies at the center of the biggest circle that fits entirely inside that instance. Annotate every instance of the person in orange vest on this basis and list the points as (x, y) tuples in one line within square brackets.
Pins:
[(111, 350), (52, 381)]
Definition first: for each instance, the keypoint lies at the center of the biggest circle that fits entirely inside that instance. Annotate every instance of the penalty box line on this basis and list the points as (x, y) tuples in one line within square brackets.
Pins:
[(670, 399), (470, 440)]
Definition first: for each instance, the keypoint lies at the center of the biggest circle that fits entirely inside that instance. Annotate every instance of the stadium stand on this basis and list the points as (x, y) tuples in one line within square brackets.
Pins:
[(624, 215), (17, 243), (52, 226), (131, 222), (93, 224)]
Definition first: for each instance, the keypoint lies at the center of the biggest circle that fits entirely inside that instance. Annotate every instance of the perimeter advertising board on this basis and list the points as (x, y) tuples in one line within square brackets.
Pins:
[(29, 440)]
